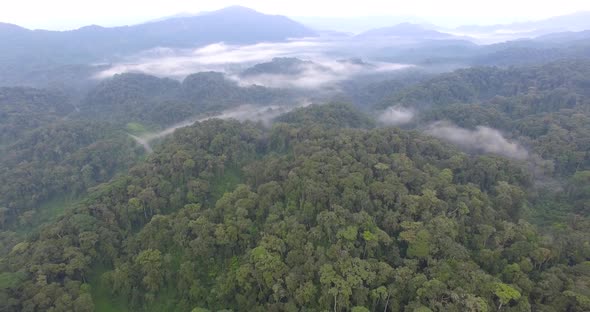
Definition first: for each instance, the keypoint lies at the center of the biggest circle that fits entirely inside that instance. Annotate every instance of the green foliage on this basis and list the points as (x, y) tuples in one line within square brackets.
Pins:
[(226, 182), (10, 280), (63, 159), (320, 212), (315, 227), (420, 246), (135, 128), (101, 291), (328, 115), (24, 109), (133, 99), (505, 293)]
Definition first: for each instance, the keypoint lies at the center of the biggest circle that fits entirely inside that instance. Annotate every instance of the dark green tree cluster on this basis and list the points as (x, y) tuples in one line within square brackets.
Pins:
[(281, 66), (227, 215), (484, 83), (60, 159), (321, 212), (328, 115), (546, 108), (24, 109), (161, 102)]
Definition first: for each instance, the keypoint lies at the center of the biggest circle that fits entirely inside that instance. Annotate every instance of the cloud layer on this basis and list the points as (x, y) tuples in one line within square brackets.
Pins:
[(482, 139), (264, 114), (232, 59), (179, 63), (323, 72), (396, 116)]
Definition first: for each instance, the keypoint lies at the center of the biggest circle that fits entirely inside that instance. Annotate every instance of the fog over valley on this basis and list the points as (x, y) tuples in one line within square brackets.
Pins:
[(421, 156), (263, 114), (322, 68)]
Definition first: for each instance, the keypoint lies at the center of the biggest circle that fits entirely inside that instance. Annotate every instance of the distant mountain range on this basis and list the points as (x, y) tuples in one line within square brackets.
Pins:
[(68, 58), (355, 25), (233, 25), (566, 36), (405, 30), (565, 27), (280, 66), (573, 22)]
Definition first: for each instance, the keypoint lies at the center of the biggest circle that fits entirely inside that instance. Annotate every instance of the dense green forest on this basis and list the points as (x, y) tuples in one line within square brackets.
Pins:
[(545, 107), (23, 109), (161, 101), (324, 210)]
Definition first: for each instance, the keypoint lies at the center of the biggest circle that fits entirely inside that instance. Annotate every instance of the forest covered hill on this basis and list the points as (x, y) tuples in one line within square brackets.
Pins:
[(309, 213), (432, 190)]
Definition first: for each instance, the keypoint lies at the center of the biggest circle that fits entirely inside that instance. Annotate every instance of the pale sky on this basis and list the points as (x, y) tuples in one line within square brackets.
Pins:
[(69, 14)]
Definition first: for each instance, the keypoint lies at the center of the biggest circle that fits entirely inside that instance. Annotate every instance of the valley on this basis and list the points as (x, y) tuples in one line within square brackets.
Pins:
[(266, 165)]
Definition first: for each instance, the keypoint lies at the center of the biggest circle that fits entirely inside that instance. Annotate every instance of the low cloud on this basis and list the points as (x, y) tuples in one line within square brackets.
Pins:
[(396, 116), (321, 73), (178, 63), (264, 114), (481, 139), (309, 76), (232, 59)]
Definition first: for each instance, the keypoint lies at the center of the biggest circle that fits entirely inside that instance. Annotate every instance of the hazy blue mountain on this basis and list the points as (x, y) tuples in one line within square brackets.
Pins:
[(460, 53), (566, 36), (355, 24), (232, 25), (10, 29), (404, 30), (538, 51), (571, 22), (24, 50), (133, 97), (280, 66), (428, 52)]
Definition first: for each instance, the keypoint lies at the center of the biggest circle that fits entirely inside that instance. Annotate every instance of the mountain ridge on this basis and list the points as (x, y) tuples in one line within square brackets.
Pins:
[(234, 25), (405, 30), (576, 21)]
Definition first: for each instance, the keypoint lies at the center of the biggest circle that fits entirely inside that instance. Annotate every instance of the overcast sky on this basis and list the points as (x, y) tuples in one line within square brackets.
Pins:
[(68, 14)]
